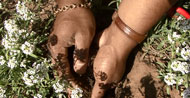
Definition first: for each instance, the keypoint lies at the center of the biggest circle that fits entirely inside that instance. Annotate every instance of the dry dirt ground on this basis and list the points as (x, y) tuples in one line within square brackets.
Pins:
[(140, 81)]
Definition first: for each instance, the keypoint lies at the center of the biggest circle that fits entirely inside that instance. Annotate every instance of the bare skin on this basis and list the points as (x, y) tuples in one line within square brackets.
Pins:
[(77, 28), (73, 27), (115, 46)]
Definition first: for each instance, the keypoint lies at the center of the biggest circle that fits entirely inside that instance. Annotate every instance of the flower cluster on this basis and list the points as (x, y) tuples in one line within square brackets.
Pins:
[(25, 64), (38, 96), (170, 79), (182, 51), (35, 74), (185, 53), (27, 48), (76, 93), (60, 86), (12, 63), (183, 67), (24, 12), (14, 36), (10, 39), (2, 60), (31, 77), (2, 93), (170, 43), (173, 37)]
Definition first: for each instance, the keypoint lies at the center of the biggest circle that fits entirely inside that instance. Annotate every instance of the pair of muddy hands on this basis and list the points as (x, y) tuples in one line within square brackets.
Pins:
[(77, 28)]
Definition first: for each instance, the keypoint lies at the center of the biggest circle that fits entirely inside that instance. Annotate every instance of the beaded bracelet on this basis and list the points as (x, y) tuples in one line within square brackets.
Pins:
[(72, 6)]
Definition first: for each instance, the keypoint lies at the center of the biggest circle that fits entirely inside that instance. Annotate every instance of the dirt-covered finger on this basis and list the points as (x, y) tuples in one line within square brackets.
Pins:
[(59, 58)]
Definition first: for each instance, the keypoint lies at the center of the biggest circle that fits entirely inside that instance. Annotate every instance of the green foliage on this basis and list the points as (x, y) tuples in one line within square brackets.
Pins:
[(25, 67), (169, 42)]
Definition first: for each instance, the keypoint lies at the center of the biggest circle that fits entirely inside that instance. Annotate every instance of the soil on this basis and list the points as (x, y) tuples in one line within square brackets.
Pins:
[(140, 81)]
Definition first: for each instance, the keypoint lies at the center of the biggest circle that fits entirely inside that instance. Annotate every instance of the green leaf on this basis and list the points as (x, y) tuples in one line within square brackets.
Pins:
[(168, 90), (161, 45), (161, 64)]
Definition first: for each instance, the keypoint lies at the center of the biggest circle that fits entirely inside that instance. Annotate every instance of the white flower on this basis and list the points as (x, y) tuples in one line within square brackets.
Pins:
[(170, 79), (31, 71), (14, 52), (184, 68), (170, 39), (35, 81), (23, 11), (2, 60), (38, 96), (32, 76), (179, 18), (2, 93), (60, 96), (12, 63), (21, 32), (175, 35), (180, 81), (7, 44), (184, 30), (27, 77), (185, 44), (28, 81), (60, 87), (11, 26), (76, 93), (1, 6), (185, 53), (177, 50), (23, 63), (25, 74), (176, 65), (41, 67), (27, 48)]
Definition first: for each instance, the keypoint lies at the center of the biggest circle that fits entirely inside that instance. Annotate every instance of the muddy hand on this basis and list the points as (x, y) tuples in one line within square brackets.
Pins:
[(109, 64), (73, 27), (128, 28)]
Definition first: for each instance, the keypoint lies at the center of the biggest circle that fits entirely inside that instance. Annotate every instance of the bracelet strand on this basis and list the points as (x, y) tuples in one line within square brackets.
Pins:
[(72, 6)]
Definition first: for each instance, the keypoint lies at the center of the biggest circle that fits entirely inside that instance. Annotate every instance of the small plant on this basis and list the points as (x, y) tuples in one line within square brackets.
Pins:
[(169, 44), (25, 67)]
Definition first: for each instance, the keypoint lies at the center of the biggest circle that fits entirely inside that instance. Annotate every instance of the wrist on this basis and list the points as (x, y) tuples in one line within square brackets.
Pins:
[(67, 2)]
